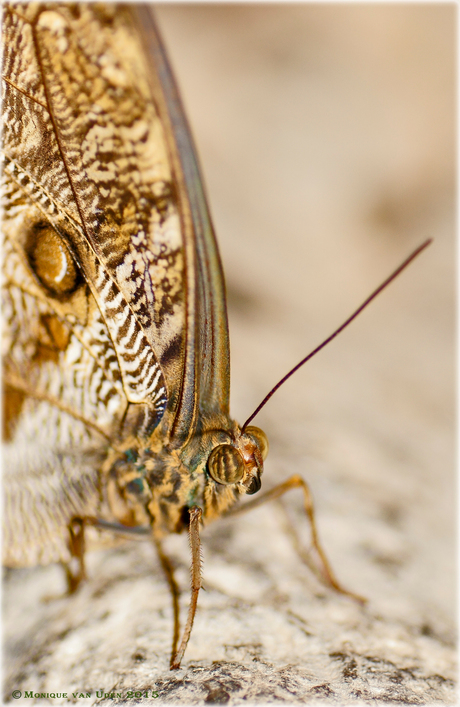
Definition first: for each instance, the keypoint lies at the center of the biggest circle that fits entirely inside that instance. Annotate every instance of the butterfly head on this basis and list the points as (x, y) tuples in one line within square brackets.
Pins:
[(240, 463)]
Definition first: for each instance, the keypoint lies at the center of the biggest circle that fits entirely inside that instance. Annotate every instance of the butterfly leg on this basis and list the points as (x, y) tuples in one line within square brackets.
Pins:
[(195, 545), (326, 573), (168, 570), (75, 569)]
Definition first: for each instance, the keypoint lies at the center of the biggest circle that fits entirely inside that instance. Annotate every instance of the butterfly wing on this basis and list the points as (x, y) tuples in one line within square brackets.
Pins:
[(115, 320), (205, 388)]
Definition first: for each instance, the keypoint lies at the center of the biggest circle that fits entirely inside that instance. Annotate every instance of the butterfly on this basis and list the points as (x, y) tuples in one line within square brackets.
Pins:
[(115, 347)]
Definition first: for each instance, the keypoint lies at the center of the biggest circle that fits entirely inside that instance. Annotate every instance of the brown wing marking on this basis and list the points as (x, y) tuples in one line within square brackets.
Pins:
[(205, 379), (69, 171)]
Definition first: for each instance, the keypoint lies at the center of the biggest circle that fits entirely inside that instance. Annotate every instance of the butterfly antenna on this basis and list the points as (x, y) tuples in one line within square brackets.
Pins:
[(337, 331)]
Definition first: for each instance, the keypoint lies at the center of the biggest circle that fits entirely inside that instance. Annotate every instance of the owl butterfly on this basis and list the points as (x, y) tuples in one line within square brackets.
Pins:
[(116, 355)]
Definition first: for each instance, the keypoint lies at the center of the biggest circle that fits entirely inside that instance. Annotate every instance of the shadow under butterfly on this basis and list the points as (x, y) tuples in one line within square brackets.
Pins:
[(116, 363)]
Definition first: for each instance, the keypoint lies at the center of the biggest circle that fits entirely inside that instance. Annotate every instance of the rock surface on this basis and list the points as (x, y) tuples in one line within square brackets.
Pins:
[(326, 134)]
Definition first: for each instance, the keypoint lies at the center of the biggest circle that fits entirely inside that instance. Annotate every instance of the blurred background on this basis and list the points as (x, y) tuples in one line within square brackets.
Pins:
[(327, 140)]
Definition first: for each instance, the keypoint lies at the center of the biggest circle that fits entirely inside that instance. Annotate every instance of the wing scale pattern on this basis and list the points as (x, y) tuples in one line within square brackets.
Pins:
[(86, 172)]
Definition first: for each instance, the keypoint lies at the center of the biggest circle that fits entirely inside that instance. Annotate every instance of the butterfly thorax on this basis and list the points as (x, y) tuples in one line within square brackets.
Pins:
[(157, 484)]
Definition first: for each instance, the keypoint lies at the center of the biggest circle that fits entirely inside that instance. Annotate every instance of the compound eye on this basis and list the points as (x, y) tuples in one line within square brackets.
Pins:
[(226, 465), (260, 438)]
